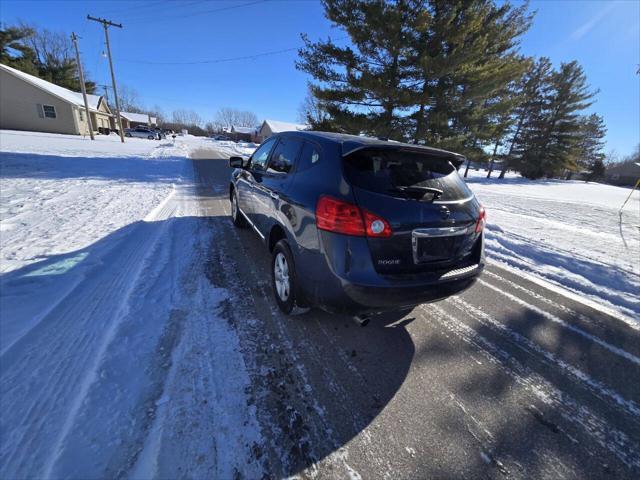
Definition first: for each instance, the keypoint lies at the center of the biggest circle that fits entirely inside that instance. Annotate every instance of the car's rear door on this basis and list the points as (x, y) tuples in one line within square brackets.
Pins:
[(271, 191), (249, 179), (430, 230)]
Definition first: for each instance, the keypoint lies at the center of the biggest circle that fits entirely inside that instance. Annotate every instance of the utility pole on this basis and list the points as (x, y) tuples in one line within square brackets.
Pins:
[(74, 39), (106, 24)]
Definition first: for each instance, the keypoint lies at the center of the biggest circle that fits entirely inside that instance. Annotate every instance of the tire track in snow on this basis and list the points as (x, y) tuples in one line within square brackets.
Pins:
[(527, 345), (165, 210), (555, 319), (83, 323), (626, 449)]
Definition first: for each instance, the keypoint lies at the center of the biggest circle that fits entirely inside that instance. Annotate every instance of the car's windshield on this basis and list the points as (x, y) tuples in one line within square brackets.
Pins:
[(405, 174)]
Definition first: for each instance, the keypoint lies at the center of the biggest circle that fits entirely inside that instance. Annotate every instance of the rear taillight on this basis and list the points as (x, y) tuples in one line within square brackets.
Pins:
[(482, 220), (339, 216)]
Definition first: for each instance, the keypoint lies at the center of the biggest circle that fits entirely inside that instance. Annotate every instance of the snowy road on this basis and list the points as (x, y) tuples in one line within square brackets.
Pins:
[(509, 380), (164, 356)]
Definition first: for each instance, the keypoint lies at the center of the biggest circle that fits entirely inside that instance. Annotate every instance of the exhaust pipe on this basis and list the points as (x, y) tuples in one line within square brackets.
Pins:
[(362, 320)]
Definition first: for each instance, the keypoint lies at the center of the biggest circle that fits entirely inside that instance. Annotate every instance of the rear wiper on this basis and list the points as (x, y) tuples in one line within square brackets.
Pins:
[(418, 192)]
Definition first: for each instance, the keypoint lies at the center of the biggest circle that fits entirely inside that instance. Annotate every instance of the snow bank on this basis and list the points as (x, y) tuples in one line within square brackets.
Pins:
[(568, 233), (111, 330), (59, 193)]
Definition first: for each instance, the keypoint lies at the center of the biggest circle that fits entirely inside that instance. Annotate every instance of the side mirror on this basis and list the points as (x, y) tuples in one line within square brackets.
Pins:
[(236, 162)]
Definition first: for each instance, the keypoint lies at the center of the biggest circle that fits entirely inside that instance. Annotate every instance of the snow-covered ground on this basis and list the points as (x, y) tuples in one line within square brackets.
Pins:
[(568, 233), (102, 295)]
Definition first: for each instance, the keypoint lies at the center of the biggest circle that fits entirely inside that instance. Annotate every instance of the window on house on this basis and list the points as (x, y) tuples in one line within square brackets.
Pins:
[(81, 115), (49, 111)]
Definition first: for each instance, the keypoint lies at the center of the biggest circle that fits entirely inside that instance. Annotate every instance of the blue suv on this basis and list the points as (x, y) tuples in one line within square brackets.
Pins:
[(359, 225)]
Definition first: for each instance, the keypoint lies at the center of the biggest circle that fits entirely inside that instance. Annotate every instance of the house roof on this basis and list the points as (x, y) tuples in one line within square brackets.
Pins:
[(63, 93), (138, 117), (243, 129), (277, 126)]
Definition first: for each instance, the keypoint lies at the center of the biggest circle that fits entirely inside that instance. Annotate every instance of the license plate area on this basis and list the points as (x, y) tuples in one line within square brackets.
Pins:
[(436, 244)]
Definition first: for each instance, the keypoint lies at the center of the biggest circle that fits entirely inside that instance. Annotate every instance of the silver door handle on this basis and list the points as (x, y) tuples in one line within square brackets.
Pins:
[(274, 195)]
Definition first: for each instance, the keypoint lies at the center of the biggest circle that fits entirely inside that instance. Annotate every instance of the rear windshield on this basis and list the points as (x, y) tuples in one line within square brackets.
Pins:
[(398, 173)]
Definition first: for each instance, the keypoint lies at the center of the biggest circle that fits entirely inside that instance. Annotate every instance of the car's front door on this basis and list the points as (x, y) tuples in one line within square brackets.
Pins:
[(250, 178), (271, 191)]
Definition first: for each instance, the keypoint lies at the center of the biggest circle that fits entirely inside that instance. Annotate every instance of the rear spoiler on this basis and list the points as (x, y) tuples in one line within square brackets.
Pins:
[(349, 148)]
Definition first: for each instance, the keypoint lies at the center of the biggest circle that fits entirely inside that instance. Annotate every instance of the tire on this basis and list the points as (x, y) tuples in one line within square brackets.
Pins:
[(283, 277), (236, 217), (151, 137), (127, 135)]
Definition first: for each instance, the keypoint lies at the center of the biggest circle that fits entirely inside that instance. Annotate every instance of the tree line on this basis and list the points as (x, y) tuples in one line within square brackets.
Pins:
[(43, 53), (450, 74)]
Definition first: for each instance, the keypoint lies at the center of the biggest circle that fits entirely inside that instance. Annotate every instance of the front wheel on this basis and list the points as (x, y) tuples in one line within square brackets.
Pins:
[(236, 216), (283, 275), (127, 135)]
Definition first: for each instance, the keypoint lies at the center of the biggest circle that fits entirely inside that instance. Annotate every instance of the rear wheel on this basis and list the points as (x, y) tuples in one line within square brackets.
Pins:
[(283, 275), (151, 137), (127, 135), (236, 216)]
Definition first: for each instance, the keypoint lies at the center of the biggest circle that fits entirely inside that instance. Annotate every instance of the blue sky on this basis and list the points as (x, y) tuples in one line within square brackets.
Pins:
[(604, 36)]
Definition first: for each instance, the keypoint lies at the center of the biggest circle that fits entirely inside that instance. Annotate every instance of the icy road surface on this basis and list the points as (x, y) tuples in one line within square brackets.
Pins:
[(155, 350)]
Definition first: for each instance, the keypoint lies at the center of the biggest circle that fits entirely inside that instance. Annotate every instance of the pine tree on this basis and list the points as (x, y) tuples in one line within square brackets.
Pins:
[(42, 53), (427, 71), (467, 57), (533, 92), (502, 120), (589, 149), (363, 86), (14, 52), (553, 129)]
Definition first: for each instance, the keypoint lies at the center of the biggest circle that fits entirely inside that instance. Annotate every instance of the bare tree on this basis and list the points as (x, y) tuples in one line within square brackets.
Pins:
[(229, 117), (53, 56), (156, 111), (311, 111), (246, 119), (213, 126), (189, 118), (130, 100)]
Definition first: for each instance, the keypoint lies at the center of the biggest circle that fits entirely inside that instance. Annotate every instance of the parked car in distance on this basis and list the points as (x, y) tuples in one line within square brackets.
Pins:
[(359, 225), (222, 138), (141, 132)]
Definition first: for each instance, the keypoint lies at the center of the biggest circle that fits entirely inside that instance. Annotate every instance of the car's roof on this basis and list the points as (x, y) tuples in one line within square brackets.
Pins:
[(352, 143)]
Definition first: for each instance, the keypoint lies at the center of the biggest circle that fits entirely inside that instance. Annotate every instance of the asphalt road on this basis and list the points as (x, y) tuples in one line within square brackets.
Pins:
[(508, 380)]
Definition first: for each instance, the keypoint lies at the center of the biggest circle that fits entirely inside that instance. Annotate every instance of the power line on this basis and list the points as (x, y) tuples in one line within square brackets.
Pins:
[(221, 60), (218, 60), (134, 7), (156, 7), (193, 14)]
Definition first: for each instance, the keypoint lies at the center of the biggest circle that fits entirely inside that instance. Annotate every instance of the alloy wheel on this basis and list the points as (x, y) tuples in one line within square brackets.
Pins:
[(281, 274)]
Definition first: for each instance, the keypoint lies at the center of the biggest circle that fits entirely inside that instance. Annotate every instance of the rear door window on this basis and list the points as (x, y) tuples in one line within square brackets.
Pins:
[(284, 155), (309, 157), (401, 174)]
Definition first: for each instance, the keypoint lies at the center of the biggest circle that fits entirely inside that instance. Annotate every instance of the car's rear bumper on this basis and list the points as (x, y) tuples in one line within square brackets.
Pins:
[(351, 285), (361, 299)]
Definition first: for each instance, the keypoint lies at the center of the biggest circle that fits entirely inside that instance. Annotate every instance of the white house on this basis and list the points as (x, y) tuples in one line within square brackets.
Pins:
[(132, 120), (269, 127), (31, 103)]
